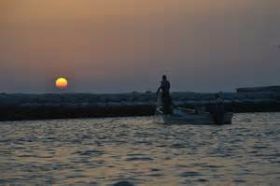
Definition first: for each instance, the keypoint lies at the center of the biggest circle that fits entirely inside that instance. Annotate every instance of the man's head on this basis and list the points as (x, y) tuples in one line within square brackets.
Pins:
[(164, 77)]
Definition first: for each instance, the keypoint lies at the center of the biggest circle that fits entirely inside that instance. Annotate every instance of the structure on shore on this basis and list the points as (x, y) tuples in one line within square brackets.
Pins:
[(267, 89)]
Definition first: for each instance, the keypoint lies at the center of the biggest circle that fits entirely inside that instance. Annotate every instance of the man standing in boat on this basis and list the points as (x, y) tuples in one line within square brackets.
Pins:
[(163, 92), (218, 110)]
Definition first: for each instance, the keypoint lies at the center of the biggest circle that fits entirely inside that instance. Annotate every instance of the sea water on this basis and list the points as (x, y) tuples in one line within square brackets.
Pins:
[(105, 151)]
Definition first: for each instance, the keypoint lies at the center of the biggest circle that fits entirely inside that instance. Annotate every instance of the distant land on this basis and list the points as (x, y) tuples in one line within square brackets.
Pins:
[(57, 106), (268, 89)]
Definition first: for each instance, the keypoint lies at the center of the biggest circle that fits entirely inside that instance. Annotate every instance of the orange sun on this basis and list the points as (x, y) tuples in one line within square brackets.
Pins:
[(61, 83)]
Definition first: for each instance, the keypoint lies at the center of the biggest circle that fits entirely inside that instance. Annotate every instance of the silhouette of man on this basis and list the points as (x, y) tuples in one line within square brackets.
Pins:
[(219, 110), (165, 95)]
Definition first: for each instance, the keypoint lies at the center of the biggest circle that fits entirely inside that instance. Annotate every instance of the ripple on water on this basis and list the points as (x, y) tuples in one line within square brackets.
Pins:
[(190, 174), (91, 153), (139, 158)]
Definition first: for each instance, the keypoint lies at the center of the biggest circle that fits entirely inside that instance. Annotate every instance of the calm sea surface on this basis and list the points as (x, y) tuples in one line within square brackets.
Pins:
[(105, 151)]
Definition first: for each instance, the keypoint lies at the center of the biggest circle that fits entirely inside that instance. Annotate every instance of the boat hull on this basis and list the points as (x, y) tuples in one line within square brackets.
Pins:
[(192, 118)]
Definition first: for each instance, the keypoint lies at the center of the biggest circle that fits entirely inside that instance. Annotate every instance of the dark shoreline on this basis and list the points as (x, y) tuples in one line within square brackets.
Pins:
[(62, 112), (61, 106)]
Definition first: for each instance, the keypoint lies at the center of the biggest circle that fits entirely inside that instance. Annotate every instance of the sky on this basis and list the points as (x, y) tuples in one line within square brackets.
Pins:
[(110, 46)]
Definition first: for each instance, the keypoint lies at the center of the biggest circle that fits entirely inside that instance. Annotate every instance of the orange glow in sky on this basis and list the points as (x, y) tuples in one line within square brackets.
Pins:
[(126, 45)]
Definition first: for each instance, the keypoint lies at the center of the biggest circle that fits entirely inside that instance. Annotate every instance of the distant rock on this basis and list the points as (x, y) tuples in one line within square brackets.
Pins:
[(123, 183)]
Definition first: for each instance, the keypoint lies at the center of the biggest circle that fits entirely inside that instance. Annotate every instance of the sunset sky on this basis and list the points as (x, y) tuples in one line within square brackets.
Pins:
[(125, 45)]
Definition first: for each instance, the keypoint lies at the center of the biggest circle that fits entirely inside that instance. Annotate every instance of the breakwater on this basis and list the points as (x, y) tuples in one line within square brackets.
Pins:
[(55, 106)]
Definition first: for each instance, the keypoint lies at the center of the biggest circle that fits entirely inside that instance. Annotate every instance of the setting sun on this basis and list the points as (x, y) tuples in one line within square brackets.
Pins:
[(61, 83)]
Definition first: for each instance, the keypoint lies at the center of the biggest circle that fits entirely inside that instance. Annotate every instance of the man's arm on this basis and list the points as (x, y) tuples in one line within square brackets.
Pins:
[(158, 90), (160, 87)]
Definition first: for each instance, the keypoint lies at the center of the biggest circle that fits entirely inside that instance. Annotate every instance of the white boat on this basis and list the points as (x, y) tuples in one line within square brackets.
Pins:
[(183, 116), (180, 117)]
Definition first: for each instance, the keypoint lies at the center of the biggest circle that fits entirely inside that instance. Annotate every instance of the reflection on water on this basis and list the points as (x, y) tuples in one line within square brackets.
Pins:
[(105, 151)]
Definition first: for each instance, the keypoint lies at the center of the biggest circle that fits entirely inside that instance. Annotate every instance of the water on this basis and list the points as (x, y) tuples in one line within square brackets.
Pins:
[(105, 151)]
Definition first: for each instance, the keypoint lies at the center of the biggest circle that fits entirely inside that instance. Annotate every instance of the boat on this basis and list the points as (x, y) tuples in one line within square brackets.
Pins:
[(188, 116), (180, 117)]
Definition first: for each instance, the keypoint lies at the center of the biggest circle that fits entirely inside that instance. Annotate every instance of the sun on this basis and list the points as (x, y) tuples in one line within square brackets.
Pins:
[(61, 83)]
